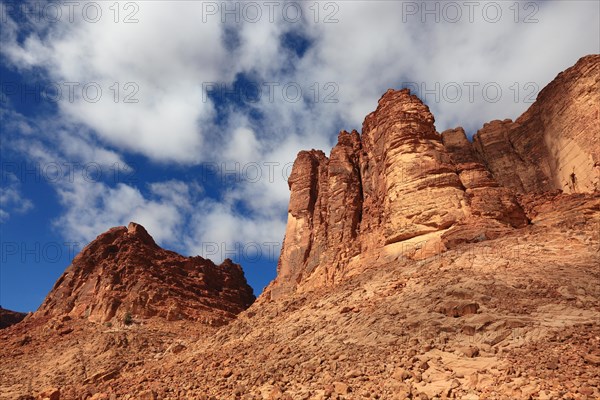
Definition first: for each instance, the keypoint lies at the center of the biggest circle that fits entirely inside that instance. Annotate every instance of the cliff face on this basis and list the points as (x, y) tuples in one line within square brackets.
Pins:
[(555, 144), (400, 189), (124, 271)]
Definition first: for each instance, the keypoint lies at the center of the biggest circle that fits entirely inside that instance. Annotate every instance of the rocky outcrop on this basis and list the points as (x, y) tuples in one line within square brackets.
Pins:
[(123, 272), (402, 190), (324, 213), (486, 197), (8, 317)]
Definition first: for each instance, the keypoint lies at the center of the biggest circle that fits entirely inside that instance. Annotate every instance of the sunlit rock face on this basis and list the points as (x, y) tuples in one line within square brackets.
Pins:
[(401, 189)]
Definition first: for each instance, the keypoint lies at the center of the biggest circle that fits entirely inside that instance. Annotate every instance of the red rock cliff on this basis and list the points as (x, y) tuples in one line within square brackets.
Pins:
[(400, 189), (555, 144)]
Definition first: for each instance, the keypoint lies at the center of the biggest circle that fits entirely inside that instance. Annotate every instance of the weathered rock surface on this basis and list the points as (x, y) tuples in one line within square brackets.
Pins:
[(512, 318), (324, 213), (400, 189), (123, 271), (555, 143), (8, 317)]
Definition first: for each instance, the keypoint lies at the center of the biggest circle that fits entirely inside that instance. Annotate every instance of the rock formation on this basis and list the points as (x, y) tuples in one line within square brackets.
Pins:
[(123, 271), (400, 189)]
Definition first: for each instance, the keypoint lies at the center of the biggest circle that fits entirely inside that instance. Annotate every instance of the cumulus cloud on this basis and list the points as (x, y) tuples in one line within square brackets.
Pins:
[(161, 211), (138, 86), (173, 212)]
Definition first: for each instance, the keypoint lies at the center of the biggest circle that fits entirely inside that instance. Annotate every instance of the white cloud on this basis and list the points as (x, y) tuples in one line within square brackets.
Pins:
[(93, 207), (172, 213), (159, 62), (12, 200), (243, 146)]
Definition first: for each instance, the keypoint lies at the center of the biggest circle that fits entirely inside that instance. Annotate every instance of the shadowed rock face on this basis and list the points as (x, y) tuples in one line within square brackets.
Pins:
[(400, 189), (124, 271), (8, 317)]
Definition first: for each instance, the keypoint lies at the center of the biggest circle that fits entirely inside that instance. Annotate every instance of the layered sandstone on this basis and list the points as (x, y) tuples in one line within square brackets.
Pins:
[(555, 143), (401, 189), (324, 213), (124, 272)]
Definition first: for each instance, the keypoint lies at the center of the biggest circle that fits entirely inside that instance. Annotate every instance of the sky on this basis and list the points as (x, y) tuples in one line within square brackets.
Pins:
[(186, 116)]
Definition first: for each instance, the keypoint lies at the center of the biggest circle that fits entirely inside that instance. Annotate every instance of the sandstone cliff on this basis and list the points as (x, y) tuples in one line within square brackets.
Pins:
[(555, 144), (402, 190), (123, 271)]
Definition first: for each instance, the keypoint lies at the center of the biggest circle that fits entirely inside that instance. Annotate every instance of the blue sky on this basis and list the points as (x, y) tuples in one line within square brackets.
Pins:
[(186, 116)]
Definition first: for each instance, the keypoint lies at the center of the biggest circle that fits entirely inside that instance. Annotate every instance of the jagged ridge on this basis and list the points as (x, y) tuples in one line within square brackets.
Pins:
[(124, 271)]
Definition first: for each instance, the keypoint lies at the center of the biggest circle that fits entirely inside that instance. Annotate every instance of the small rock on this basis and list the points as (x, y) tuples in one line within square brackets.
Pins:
[(470, 351), (147, 395), (458, 309), (552, 364), (65, 331), (592, 359), (586, 390), (49, 394), (227, 373), (417, 377), (275, 394), (239, 390), (177, 348), (401, 374), (353, 374), (341, 388), (25, 340)]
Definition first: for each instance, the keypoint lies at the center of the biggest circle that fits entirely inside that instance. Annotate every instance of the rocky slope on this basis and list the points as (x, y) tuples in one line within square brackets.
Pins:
[(400, 189), (416, 265), (124, 272), (511, 318)]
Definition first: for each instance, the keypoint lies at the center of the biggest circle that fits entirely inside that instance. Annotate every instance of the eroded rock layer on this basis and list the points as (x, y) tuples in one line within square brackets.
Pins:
[(401, 189), (8, 317)]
